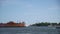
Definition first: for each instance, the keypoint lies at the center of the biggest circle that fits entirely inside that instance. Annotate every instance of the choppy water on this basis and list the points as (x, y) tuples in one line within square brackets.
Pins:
[(30, 30)]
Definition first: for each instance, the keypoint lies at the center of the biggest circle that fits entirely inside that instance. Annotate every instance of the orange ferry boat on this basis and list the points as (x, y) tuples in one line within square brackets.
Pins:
[(12, 24)]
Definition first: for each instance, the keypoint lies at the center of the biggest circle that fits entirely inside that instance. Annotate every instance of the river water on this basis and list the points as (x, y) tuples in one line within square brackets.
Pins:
[(29, 30)]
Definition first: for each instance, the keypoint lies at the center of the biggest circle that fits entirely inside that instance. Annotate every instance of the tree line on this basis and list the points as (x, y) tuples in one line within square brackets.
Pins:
[(45, 24)]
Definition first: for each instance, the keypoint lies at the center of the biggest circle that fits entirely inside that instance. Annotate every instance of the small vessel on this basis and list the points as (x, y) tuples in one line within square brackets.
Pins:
[(57, 27)]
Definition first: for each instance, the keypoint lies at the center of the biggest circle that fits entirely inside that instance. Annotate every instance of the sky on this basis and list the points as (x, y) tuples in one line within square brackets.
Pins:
[(29, 11)]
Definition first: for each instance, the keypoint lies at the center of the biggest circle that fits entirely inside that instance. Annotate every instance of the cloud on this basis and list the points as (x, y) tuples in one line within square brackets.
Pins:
[(29, 5), (17, 3), (10, 2), (53, 8), (6, 2)]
